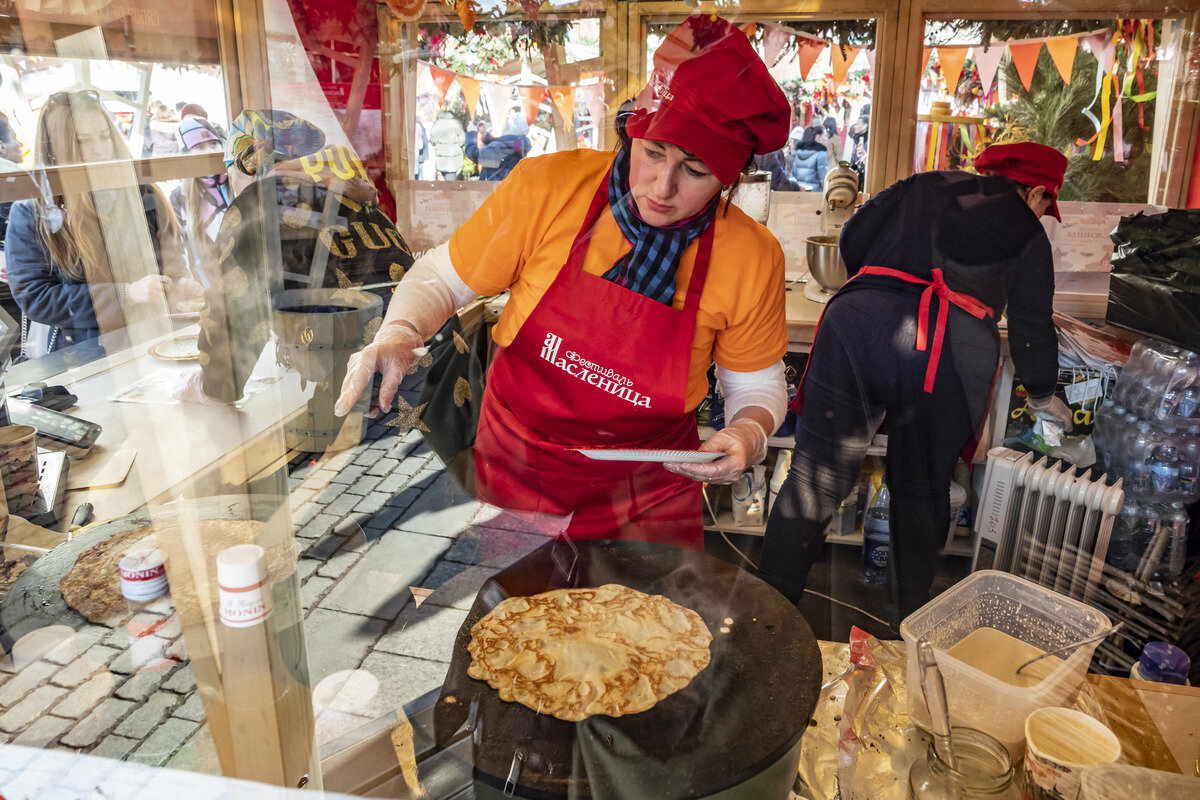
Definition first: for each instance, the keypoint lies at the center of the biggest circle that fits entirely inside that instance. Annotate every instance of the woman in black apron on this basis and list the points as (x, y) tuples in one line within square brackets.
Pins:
[(912, 337)]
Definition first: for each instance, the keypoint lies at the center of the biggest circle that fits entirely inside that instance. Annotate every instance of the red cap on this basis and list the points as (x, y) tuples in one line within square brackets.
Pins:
[(711, 94), (1029, 163), (192, 110)]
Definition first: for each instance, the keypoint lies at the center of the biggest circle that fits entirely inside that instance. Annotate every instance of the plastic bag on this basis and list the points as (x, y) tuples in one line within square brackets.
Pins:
[(1155, 284)]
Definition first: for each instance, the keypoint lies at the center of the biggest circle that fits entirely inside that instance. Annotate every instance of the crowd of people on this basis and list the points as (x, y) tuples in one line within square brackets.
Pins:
[(815, 149)]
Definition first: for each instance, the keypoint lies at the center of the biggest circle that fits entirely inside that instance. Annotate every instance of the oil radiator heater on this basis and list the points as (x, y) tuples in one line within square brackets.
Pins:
[(1045, 520)]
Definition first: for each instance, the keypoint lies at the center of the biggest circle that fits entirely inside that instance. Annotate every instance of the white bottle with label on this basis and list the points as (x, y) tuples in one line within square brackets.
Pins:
[(750, 497)]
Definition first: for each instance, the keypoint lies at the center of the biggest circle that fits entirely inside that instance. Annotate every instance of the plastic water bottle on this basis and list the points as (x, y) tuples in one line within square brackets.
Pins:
[(877, 540), (1137, 460), (1164, 465), (1189, 403), (1175, 389), (1102, 430), (1130, 535), (1177, 520), (1189, 464)]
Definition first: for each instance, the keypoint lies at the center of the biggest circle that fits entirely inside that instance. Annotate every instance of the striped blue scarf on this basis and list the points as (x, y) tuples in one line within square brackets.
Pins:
[(649, 267)]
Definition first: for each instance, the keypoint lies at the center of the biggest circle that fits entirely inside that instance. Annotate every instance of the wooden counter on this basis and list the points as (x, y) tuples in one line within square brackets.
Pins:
[(183, 450)]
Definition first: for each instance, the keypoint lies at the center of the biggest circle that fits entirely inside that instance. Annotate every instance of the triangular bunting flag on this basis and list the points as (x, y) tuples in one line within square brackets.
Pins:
[(986, 60), (1025, 56), (952, 59), (809, 50), (871, 58), (749, 28), (442, 78), (470, 90), (496, 99), (925, 54), (841, 61), (593, 98), (775, 38), (1100, 45), (564, 100), (1062, 51), (424, 78), (531, 98)]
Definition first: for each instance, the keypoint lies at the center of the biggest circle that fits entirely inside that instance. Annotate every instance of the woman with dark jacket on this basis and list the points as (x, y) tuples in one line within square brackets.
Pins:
[(89, 263), (935, 259), (810, 161)]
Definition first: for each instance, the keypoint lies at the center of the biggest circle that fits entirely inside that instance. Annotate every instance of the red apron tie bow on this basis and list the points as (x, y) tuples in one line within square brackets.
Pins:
[(948, 297)]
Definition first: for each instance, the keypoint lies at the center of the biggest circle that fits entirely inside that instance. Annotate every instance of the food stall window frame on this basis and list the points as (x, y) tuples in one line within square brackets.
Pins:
[(244, 70)]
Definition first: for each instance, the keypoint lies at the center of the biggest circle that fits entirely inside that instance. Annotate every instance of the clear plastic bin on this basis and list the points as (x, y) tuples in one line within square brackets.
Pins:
[(1123, 782), (1028, 612)]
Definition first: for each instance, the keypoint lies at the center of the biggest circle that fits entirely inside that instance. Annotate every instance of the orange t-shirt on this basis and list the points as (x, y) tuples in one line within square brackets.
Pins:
[(520, 237)]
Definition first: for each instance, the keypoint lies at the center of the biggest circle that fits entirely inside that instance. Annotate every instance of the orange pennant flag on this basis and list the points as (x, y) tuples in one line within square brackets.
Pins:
[(1062, 50), (952, 59), (1025, 56), (442, 78), (531, 98), (749, 29), (470, 90), (841, 61), (809, 50), (564, 100), (925, 54)]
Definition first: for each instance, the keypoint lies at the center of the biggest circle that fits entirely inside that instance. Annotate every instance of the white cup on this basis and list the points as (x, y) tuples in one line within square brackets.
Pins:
[(1059, 744)]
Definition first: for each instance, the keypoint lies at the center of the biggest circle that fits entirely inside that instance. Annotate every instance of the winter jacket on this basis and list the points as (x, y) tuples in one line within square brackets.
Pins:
[(498, 155), (160, 139), (809, 165), (449, 140), (50, 297)]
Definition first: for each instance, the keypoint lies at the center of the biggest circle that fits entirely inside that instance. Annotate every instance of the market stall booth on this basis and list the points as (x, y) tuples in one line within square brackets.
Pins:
[(226, 579)]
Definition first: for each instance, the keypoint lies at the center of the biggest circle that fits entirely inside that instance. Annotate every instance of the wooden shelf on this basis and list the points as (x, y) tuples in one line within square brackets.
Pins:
[(725, 523)]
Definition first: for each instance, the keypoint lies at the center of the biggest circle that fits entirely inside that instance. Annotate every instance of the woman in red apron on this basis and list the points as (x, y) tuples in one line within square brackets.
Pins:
[(629, 275), (912, 337)]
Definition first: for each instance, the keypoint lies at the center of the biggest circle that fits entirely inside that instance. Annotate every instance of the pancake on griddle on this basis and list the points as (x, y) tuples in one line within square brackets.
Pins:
[(572, 653)]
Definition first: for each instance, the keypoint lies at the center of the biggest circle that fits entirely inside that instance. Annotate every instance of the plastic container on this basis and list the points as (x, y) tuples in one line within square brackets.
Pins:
[(1021, 609), (1124, 782)]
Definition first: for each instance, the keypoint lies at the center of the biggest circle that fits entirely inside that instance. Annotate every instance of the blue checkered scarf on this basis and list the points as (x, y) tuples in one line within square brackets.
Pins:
[(649, 267)]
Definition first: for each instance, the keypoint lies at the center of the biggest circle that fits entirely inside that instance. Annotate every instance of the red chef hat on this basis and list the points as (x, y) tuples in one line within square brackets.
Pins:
[(1029, 163), (711, 94)]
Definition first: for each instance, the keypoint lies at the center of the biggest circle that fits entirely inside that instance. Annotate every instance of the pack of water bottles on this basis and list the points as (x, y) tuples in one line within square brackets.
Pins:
[(1149, 541), (1148, 432)]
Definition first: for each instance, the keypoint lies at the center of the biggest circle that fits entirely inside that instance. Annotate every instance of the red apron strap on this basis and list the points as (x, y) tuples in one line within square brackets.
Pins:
[(699, 271), (580, 245), (947, 297)]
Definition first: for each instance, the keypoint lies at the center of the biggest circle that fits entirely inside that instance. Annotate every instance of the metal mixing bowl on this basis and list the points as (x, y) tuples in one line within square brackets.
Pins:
[(825, 262)]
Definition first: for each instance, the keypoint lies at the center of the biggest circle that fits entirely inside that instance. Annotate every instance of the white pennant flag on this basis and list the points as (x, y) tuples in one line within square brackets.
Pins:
[(774, 40), (593, 98), (497, 99), (987, 59), (871, 59)]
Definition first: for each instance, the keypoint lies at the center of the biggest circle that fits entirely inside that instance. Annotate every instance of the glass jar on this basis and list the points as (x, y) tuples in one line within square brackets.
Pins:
[(984, 771)]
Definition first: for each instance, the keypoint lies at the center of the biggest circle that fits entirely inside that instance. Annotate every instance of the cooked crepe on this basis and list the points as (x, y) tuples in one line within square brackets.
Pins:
[(93, 586), (572, 653), (179, 348)]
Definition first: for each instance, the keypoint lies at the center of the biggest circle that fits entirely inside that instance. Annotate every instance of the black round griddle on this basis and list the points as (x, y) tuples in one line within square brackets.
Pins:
[(739, 716), (34, 599)]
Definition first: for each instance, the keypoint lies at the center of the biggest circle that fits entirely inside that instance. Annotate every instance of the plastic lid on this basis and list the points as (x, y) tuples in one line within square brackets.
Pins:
[(242, 566), (143, 574), (1164, 663)]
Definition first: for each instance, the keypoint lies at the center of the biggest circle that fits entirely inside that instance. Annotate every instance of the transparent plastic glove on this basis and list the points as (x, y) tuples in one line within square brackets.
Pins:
[(744, 443), (151, 287), (188, 289), (1052, 406), (189, 388), (391, 353)]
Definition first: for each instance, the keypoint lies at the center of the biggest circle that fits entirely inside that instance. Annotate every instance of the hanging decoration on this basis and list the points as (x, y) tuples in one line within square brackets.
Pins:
[(841, 56), (496, 99), (593, 98), (809, 50), (775, 40), (466, 13), (1062, 51), (1025, 56), (406, 10), (531, 98), (564, 101), (952, 58), (987, 59), (470, 90), (442, 79)]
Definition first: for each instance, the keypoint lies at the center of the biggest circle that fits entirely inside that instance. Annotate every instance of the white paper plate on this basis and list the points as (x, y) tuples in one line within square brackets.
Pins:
[(681, 456)]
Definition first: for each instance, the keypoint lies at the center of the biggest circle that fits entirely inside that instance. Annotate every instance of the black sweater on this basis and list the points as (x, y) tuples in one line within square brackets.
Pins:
[(988, 243)]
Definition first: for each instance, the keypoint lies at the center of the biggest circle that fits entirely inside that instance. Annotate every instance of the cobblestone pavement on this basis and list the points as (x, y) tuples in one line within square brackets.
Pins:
[(374, 523)]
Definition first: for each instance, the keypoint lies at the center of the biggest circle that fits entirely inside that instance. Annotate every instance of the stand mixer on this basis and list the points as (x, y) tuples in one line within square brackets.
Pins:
[(826, 270)]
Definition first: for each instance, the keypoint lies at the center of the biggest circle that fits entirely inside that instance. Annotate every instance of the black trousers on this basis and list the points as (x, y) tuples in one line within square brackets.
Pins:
[(863, 368)]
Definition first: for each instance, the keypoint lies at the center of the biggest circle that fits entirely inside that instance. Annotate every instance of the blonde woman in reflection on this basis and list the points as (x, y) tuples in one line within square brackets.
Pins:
[(88, 263)]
